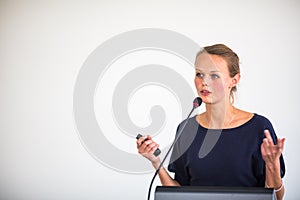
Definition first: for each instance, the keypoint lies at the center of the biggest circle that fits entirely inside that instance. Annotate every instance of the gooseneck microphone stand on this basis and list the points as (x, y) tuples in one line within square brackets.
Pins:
[(196, 103)]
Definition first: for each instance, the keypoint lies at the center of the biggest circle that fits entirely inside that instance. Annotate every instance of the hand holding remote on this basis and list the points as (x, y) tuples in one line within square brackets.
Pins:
[(149, 146)]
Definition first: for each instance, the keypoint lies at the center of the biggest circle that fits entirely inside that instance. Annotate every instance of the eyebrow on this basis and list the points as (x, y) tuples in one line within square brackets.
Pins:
[(210, 71)]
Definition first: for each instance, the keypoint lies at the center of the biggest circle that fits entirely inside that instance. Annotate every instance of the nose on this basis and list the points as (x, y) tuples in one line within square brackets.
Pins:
[(205, 81)]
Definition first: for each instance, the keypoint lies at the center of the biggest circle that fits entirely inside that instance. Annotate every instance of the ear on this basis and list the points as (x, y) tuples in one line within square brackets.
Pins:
[(235, 80)]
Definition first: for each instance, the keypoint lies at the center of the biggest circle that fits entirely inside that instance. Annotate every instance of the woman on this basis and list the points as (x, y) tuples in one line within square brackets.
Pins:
[(224, 146)]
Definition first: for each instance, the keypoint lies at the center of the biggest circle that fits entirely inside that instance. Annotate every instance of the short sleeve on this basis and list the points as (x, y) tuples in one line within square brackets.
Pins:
[(274, 137), (179, 159), (259, 164), (179, 167)]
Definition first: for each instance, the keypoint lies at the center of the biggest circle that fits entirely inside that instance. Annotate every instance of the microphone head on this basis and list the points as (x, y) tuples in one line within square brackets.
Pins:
[(197, 102)]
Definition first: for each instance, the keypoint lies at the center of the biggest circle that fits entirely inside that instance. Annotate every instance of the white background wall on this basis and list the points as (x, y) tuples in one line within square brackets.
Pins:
[(43, 45)]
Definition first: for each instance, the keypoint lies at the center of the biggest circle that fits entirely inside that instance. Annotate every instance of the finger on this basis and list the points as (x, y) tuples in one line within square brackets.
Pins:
[(150, 146), (266, 142), (150, 149), (154, 148), (147, 142), (265, 147), (142, 139), (268, 136), (146, 138), (146, 146), (139, 141), (149, 137), (280, 143)]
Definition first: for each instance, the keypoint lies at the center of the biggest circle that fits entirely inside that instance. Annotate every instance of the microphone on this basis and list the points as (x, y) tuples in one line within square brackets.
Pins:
[(196, 103)]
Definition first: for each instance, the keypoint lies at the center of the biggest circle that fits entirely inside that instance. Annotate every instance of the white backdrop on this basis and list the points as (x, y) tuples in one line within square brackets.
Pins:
[(43, 45)]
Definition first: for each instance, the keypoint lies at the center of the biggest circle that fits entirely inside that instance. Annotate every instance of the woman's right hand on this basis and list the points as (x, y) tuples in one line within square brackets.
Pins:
[(147, 148)]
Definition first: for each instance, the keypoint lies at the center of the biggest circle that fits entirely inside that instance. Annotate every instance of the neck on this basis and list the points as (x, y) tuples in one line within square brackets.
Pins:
[(219, 117)]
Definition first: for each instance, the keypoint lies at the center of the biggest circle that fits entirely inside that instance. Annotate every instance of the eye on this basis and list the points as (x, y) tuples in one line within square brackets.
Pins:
[(215, 76), (200, 75)]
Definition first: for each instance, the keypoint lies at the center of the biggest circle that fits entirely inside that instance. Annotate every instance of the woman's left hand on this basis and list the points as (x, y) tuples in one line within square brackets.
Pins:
[(271, 152)]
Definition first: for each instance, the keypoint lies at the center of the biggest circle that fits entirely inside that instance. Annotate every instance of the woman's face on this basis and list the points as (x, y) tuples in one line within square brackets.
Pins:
[(212, 80)]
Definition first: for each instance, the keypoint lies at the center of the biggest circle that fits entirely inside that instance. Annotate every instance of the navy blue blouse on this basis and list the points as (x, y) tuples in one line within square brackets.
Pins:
[(222, 157)]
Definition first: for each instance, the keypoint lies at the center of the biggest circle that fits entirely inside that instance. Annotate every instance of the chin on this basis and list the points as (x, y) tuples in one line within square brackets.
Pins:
[(206, 99)]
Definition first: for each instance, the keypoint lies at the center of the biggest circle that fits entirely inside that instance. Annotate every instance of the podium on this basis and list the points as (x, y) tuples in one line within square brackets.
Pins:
[(213, 193)]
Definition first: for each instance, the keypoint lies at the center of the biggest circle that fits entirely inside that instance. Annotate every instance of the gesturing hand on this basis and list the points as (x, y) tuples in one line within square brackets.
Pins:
[(271, 152)]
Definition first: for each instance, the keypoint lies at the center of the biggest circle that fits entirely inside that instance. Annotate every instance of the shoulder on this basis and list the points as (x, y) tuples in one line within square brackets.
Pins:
[(187, 125), (261, 119), (259, 123), (188, 120), (241, 117), (245, 117)]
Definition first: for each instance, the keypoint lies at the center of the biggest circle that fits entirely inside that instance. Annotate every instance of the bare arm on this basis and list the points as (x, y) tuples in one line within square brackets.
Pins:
[(271, 154), (146, 149)]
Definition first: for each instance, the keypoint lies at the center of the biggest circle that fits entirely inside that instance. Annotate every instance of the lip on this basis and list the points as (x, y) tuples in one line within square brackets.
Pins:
[(205, 92)]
